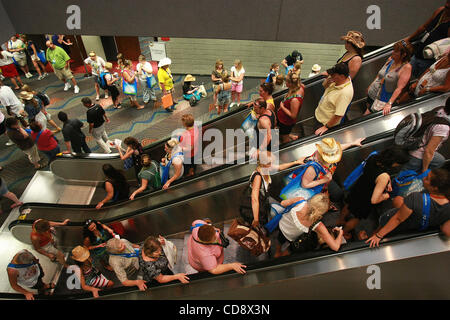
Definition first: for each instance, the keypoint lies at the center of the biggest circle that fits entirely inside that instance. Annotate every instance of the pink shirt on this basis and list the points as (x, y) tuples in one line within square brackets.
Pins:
[(203, 257), (437, 130), (189, 141)]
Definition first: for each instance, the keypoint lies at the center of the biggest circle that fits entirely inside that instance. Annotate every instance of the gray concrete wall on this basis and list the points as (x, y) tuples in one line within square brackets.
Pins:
[(7, 29), (198, 56), (312, 21)]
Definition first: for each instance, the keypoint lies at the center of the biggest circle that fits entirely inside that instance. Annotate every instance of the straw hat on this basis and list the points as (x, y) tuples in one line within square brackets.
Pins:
[(25, 95), (355, 37), (164, 62), (80, 254), (316, 68), (108, 65), (189, 77), (92, 54), (330, 150)]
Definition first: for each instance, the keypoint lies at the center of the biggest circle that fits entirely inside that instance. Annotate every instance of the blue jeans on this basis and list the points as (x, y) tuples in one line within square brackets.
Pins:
[(52, 153), (416, 164), (419, 66)]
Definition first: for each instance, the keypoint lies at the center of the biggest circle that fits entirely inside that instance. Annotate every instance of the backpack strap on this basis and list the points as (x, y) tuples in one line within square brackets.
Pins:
[(20, 266), (425, 211), (37, 137)]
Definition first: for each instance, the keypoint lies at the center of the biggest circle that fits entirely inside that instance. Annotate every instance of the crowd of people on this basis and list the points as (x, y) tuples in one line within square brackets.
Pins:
[(369, 210)]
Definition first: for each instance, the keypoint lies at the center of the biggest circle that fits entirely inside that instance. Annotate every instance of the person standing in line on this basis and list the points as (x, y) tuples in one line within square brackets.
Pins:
[(110, 80), (9, 69), (23, 141), (130, 84), (73, 136), (60, 60), (145, 71), (165, 80), (237, 81), (98, 67), (33, 52), (13, 105), (17, 48), (96, 117), (216, 77)]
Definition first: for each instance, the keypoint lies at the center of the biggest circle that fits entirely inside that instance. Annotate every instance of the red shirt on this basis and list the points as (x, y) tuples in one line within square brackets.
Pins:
[(46, 141), (282, 116)]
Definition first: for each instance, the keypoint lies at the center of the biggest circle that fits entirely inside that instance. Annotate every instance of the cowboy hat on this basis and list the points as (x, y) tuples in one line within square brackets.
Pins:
[(80, 254), (25, 95), (354, 37), (316, 68), (189, 77), (164, 62), (330, 150)]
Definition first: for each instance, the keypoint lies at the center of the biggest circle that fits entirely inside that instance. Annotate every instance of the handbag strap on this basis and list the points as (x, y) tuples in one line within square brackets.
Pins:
[(425, 211), (134, 254), (206, 244)]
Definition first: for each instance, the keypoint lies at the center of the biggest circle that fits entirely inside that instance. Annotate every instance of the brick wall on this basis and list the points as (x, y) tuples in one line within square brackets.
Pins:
[(198, 56)]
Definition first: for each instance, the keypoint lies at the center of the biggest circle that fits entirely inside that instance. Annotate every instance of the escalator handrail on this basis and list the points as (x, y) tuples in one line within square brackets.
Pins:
[(345, 126)]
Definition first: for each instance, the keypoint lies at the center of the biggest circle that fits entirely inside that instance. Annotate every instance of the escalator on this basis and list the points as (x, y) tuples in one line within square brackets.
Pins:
[(222, 178), (87, 167), (318, 271)]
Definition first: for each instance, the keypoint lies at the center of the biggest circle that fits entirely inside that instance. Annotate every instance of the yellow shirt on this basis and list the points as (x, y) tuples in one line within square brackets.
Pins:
[(334, 101), (165, 77)]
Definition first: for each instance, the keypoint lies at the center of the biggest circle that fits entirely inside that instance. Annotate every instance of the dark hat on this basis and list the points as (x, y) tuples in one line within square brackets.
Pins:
[(340, 68)]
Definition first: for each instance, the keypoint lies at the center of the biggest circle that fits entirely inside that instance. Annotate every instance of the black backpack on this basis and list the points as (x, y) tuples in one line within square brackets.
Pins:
[(245, 207), (306, 241), (409, 132), (44, 98)]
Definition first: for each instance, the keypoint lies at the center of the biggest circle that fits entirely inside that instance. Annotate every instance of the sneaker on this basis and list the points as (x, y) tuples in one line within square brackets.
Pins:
[(9, 143), (106, 96), (41, 77), (45, 74), (28, 75), (2, 77), (67, 86), (76, 89), (97, 98)]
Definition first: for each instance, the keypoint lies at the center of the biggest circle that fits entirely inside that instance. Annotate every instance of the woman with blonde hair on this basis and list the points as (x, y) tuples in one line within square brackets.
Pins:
[(172, 164), (305, 216), (216, 77), (237, 81)]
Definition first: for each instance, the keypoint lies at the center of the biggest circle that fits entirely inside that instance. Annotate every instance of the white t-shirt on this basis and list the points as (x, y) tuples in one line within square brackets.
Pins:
[(147, 70), (8, 97), (17, 45), (97, 66), (290, 226), (437, 130), (237, 74), (7, 58)]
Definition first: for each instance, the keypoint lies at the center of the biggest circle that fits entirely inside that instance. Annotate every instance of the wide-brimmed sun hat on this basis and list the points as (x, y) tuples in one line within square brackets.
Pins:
[(189, 77), (164, 62), (330, 150), (25, 95), (80, 254), (356, 38), (316, 68)]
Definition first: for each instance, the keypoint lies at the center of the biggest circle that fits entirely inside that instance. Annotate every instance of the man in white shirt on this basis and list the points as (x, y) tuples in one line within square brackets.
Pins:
[(13, 106), (98, 67)]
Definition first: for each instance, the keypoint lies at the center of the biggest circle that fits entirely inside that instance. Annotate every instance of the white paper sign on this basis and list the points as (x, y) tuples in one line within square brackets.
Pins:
[(157, 51)]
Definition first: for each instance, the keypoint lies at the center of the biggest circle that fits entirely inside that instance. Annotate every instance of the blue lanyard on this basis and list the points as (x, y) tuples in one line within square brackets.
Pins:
[(135, 254)]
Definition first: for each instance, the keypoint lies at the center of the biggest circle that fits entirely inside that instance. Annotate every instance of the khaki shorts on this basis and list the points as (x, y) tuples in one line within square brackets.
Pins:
[(63, 74), (33, 154), (35, 58), (50, 248), (21, 61)]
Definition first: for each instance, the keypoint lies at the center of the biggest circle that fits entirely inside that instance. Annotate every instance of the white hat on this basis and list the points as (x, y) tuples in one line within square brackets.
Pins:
[(316, 68), (164, 62)]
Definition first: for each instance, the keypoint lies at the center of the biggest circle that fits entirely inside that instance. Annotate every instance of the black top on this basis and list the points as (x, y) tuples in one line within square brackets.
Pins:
[(152, 269), (121, 190), (359, 198), (187, 86), (346, 62), (290, 60), (30, 49), (95, 115), (436, 32), (273, 121), (439, 214), (72, 132)]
